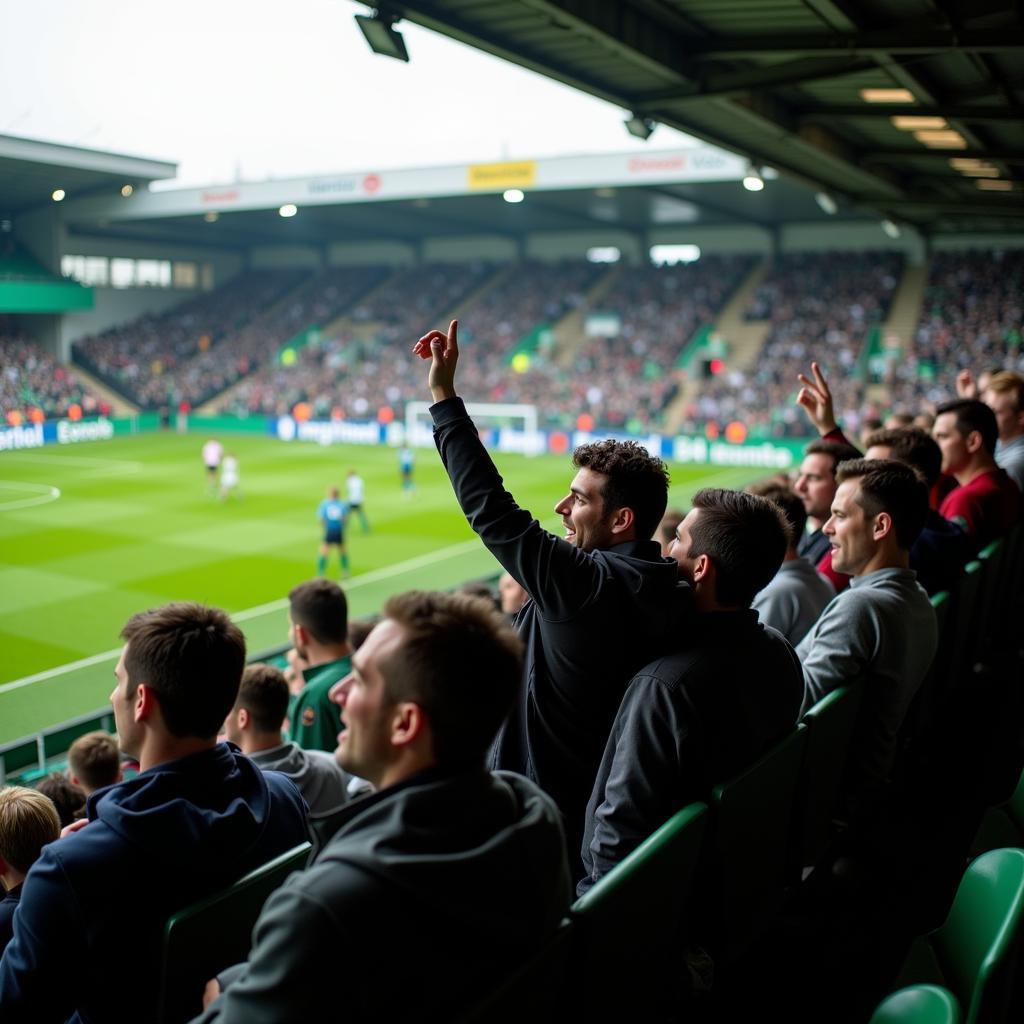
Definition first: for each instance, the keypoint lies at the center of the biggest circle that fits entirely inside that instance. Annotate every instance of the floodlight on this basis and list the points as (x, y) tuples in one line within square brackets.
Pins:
[(826, 202), (513, 195), (752, 180), (57, 195), (640, 127), (890, 228), (381, 35), (127, 190), (288, 210)]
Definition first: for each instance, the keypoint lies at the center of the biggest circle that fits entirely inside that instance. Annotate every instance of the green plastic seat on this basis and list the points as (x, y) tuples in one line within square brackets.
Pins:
[(974, 952), (830, 724), (629, 922), (918, 1004), (752, 847), (214, 933)]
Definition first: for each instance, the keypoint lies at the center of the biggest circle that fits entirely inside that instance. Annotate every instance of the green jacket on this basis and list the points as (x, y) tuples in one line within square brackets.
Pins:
[(315, 720)]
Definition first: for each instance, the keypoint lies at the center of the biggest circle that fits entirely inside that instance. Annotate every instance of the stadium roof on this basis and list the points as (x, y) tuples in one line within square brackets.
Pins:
[(31, 170), (786, 83)]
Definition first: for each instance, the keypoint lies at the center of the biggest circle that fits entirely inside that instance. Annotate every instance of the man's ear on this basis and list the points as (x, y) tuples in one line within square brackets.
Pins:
[(882, 527), (408, 724), (702, 568), (623, 520), (145, 702), (244, 718), (974, 441)]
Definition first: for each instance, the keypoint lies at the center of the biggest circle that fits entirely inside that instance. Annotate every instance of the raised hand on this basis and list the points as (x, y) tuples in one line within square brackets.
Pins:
[(816, 399), (443, 351), (966, 385)]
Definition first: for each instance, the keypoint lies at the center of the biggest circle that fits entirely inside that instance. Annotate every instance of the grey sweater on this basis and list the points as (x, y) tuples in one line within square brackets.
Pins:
[(1010, 456), (881, 630), (794, 599)]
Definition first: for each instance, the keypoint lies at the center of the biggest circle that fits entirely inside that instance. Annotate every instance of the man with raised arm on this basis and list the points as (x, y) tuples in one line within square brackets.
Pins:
[(603, 603)]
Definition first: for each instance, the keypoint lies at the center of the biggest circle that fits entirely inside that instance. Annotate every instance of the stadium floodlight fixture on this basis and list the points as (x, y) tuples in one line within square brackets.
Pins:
[(288, 210), (891, 228), (640, 127), (752, 180), (57, 195), (381, 35), (211, 216), (127, 190), (513, 195), (826, 202)]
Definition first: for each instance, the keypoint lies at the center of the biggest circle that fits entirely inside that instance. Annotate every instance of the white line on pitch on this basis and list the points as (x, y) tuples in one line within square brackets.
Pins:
[(262, 609)]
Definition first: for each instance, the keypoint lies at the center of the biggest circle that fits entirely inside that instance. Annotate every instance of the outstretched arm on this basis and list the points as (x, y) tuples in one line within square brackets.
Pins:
[(815, 398)]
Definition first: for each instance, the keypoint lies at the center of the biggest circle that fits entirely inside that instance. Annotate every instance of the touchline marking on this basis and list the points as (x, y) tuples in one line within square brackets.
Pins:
[(44, 495), (85, 462), (262, 609)]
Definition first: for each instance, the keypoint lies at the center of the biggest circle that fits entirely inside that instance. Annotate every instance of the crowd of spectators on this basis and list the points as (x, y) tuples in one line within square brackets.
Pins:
[(34, 386)]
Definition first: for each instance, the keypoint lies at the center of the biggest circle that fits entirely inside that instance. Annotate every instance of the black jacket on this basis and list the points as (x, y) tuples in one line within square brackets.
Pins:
[(594, 618)]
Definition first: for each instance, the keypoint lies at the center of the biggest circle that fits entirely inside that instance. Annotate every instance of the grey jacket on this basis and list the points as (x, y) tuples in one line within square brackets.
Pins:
[(320, 779), (794, 599)]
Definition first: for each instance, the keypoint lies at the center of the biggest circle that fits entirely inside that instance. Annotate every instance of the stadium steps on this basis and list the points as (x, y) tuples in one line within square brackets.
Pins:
[(571, 331), (119, 405), (744, 338), (904, 316)]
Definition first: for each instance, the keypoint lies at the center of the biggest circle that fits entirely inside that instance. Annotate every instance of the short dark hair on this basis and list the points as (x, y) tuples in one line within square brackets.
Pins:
[(28, 821), (192, 657), (913, 446), (264, 694), (460, 661), (885, 485), (359, 629), (95, 759), (973, 415), (744, 535), (836, 450), (68, 798), (788, 501), (320, 607), (635, 479)]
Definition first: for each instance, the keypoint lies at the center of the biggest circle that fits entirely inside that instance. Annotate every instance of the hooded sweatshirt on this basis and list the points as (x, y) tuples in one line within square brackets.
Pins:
[(321, 781), (594, 619), (89, 928), (428, 895)]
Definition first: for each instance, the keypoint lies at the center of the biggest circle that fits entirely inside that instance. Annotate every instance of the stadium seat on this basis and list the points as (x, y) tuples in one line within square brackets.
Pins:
[(918, 1004), (1002, 825), (630, 920), (966, 623), (974, 953), (751, 847), (215, 933), (535, 991), (830, 724)]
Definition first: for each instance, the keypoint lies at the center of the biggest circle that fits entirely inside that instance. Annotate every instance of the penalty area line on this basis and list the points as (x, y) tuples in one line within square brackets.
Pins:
[(375, 576)]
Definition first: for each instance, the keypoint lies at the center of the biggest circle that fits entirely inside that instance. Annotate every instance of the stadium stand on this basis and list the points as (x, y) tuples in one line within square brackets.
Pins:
[(33, 386)]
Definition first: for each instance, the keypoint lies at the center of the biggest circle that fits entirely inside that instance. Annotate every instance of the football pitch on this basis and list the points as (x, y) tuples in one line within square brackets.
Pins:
[(91, 534)]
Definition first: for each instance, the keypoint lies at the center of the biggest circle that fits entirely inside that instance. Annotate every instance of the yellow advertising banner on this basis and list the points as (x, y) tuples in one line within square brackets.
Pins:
[(513, 174)]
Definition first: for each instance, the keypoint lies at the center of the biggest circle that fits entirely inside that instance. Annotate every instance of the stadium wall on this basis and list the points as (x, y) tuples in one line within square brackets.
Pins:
[(270, 257), (113, 306)]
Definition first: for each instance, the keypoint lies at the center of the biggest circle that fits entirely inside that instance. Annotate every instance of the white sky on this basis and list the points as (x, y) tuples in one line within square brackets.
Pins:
[(278, 88)]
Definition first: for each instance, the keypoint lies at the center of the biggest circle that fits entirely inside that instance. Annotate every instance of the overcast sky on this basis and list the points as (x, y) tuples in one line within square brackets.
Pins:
[(278, 88)]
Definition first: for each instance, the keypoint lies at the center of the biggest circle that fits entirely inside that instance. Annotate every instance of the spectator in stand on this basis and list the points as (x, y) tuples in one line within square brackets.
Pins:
[(28, 821), (68, 798), (360, 629), (254, 725), (318, 631), (861, 637), (987, 504), (604, 600), (198, 816), (816, 487), (32, 382), (1005, 397), (94, 761), (449, 876), (797, 594), (666, 533), (697, 716), (511, 594)]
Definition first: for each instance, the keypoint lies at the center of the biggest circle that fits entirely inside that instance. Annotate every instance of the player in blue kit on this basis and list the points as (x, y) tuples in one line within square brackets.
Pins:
[(333, 513)]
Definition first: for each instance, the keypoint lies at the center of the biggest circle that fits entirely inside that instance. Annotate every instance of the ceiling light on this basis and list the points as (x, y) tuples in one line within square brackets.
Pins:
[(640, 127), (752, 180), (381, 35), (513, 195), (891, 229), (887, 96), (288, 210), (980, 172), (826, 202), (941, 139), (1000, 185), (211, 216), (127, 190), (912, 123), (963, 162), (57, 195)]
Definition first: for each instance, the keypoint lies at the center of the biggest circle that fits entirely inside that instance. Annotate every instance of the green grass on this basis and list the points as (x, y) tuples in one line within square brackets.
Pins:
[(134, 527)]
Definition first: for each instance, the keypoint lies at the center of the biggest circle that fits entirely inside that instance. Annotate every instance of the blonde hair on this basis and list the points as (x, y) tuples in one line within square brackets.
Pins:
[(28, 821)]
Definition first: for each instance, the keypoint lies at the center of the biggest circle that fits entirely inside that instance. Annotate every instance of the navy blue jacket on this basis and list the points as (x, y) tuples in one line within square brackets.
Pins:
[(88, 930)]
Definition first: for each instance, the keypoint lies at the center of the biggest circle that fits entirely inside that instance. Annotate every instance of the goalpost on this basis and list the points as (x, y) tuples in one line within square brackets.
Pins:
[(515, 424)]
